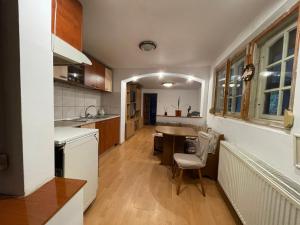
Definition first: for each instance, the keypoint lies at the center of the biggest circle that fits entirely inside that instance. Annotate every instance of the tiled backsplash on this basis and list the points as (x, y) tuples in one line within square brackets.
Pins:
[(71, 102)]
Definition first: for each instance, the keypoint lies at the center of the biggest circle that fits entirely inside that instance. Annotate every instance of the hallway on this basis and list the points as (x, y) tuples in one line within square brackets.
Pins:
[(135, 189)]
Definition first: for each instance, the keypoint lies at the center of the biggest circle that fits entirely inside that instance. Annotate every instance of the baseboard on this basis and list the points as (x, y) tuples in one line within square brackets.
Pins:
[(229, 205)]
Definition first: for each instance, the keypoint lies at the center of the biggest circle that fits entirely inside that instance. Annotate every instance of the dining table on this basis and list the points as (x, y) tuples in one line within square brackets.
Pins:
[(173, 141)]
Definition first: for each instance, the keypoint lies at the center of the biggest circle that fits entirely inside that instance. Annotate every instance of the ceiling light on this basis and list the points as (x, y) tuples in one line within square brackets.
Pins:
[(147, 46), (190, 78), (167, 84), (161, 75), (135, 78)]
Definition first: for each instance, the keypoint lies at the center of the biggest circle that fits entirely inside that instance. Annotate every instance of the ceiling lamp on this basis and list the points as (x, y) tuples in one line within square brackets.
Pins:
[(147, 46), (167, 84)]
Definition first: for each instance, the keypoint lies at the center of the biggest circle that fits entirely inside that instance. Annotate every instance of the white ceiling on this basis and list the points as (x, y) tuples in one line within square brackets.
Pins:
[(188, 32), (179, 83)]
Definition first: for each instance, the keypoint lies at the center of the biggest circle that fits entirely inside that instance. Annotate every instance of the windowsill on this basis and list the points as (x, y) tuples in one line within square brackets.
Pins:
[(274, 125), (233, 115)]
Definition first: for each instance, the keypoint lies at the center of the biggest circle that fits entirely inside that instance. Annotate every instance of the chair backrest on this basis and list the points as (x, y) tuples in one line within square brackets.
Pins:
[(203, 146)]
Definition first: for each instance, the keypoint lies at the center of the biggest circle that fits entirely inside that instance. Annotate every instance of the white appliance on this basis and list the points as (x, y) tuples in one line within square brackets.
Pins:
[(76, 156)]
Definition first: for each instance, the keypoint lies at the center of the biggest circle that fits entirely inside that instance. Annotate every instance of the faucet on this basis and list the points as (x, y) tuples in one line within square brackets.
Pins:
[(86, 114)]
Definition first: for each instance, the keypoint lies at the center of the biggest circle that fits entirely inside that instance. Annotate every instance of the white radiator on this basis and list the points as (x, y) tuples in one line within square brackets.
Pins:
[(259, 194)]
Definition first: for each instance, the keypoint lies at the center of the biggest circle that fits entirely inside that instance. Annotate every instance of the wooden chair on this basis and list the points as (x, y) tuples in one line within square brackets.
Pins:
[(192, 161)]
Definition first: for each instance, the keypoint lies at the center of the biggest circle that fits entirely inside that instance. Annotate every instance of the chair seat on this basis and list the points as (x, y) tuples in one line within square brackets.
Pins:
[(188, 161)]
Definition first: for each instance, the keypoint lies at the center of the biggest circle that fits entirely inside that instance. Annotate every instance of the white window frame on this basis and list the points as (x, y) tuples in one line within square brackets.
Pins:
[(264, 58), (219, 73), (234, 96)]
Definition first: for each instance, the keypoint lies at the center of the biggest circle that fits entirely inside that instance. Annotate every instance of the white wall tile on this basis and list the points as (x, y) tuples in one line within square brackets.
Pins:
[(90, 99), (72, 101), (58, 96), (58, 115), (68, 96), (80, 111), (69, 112), (79, 97)]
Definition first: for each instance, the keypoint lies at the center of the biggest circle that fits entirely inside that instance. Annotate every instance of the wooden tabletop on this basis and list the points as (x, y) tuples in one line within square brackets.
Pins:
[(177, 131), (40, 206)]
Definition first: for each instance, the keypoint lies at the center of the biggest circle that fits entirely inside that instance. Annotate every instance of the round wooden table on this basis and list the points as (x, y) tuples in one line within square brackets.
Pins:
[(174, 138)]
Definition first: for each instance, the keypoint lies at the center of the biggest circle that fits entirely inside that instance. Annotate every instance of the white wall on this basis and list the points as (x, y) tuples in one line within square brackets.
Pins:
[(169, 97), (71, 101), (36, 74), (273, 146), (123, 74)]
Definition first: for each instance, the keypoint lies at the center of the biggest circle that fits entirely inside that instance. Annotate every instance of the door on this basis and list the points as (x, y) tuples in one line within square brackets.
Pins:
[(150, 109)]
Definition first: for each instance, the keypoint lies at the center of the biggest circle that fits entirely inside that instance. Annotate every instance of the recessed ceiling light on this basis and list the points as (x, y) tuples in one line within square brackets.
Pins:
[(147, 46), (161, 75), (135, 78), (167, 84), (190, 78)]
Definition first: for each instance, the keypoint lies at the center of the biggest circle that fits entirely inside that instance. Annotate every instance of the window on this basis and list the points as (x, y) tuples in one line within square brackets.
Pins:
[(235, 86), (220, 89), (264, 99), (275, 74)]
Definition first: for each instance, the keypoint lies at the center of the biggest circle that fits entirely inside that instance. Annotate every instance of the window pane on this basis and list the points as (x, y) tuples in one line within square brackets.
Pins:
[(229, 106), (285, 100), (273, 77), (271, 103), (220, 90), (238, 101), (275, 51), (288, 72), (239, 83), (292, 40)]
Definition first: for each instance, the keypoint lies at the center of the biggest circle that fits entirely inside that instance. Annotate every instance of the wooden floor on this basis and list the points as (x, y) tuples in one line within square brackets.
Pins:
[(134, 189)]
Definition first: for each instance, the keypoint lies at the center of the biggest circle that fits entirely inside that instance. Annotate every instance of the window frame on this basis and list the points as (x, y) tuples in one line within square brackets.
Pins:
[(261, 90), (216, 74), (250, 57), (238, 57)]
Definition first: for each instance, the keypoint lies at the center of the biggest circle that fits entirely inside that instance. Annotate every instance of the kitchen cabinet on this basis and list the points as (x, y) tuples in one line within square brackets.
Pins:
[(108, 80), (130, 128), (109, 131), (67, 17), (94, 75), (90, 126)]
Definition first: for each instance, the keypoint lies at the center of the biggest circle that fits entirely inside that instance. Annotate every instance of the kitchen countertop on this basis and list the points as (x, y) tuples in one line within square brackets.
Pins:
[(62, 135), (40, 206), (72, 123)]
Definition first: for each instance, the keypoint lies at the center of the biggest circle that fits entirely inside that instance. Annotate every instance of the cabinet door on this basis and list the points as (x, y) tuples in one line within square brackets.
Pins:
[(116, 129), (102, 141), (68, 24), (94, 75), (108, 80)]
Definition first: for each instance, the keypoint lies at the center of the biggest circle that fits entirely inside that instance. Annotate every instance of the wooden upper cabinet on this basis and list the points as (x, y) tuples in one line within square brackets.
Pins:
[(68, 24), (94, 75), (108, 80)]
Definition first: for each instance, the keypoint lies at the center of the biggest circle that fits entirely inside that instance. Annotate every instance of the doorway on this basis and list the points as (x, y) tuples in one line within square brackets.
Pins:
[(150, 109)]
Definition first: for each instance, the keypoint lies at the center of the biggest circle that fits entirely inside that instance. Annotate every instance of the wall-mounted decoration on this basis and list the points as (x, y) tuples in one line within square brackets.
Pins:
[(248, 72), (297, 150)]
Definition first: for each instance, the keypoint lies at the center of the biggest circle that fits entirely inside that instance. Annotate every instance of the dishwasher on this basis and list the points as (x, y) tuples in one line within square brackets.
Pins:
[(76, 157)]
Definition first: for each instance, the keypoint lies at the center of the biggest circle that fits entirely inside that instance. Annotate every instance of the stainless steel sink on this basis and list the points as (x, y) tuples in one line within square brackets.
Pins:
[(80, 120)]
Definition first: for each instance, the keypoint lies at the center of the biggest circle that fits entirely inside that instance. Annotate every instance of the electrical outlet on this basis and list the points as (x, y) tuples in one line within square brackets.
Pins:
[(3, 161)]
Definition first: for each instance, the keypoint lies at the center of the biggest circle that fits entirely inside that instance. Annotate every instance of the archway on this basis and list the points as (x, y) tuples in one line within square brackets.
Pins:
[(136, 77)]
